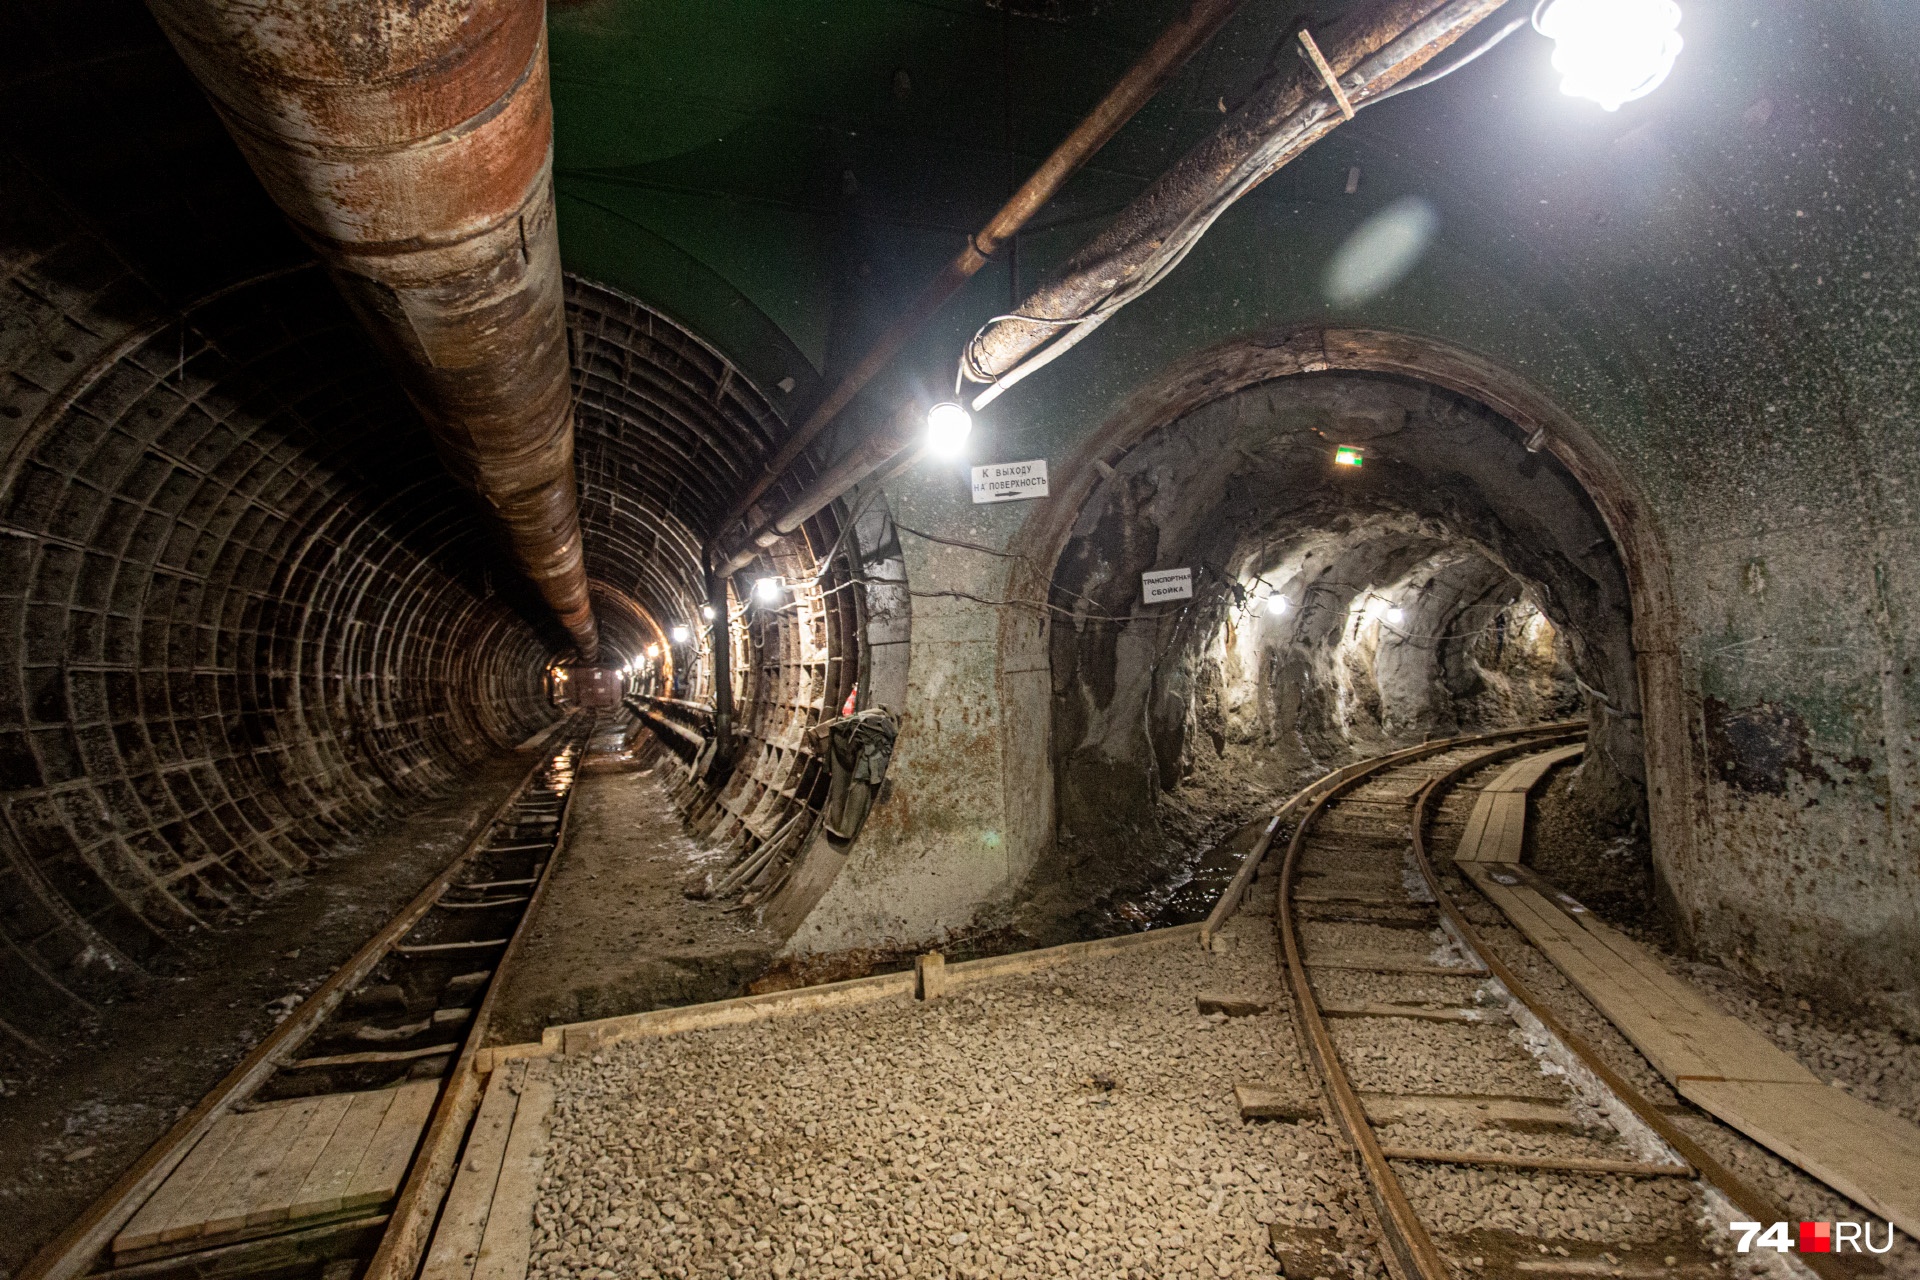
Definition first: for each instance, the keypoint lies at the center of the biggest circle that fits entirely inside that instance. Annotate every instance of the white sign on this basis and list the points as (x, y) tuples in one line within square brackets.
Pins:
[(1166, 584), (1010, 481)]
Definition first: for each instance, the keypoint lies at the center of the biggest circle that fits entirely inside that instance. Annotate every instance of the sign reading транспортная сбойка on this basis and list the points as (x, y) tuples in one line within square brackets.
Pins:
[(1010, 481), (1166, 584)]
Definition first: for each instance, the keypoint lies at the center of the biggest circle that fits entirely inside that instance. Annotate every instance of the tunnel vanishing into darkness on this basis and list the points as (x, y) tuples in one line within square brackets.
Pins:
[(316, 342)]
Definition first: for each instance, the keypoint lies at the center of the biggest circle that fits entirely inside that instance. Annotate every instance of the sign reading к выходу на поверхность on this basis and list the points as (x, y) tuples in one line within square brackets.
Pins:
[(1010, 481), (1161, 585)]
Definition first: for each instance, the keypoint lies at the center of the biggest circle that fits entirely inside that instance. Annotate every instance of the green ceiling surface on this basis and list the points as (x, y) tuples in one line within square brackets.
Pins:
[(775, 175)]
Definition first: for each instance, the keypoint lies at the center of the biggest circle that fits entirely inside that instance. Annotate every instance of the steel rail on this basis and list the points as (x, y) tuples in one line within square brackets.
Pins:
[(1756, 1204), (410, 1228), (71, 1253), (1407, 1237)]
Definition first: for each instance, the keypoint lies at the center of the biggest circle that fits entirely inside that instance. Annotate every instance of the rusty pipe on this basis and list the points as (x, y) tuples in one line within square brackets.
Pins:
[(1370, 50), (411, 145), (1181, 39)]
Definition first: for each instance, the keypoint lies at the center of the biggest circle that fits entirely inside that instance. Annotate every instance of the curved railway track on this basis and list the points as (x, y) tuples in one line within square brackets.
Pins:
[(328, 1150), (1480, 1126)]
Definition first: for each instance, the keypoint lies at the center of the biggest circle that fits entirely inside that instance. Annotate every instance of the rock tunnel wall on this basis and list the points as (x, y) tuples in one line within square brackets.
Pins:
[(1453, 583)]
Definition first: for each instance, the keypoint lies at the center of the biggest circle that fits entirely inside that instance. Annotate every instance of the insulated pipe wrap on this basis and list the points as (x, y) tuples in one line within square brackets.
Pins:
[(411, 144)]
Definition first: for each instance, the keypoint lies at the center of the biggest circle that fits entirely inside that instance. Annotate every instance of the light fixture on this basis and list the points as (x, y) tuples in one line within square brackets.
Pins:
[(1611, 51), (947, 427), (768, 590), (653, 651), (1395, 614), (1277, 605), (682, 634), (1349, 455), (706, 611)]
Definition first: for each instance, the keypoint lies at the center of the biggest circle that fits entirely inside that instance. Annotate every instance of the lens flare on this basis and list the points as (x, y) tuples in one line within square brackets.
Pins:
[(1380, 252)]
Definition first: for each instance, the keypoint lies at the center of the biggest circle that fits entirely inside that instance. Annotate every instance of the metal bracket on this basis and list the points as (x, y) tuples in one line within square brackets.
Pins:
[(1326, 73)]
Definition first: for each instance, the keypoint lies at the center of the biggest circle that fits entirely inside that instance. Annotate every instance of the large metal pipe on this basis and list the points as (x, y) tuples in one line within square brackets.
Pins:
[(411, 143)]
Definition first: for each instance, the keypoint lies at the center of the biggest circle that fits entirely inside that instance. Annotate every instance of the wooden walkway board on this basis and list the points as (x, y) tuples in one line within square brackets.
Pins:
[(290, 1164), (1496, 830), (1718, 1062), (486, 1229)]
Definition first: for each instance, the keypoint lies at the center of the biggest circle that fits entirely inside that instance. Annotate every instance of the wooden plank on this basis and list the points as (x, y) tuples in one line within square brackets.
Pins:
[(584, 1037), (273, 1201), (1680, 1033), (371, 1057), (1717, 1061), (1868, 1155), (1532, 1114), (225, 1197), (377, 1179), (448, 948), (1417, 1012), (1264, 1102), (1545, 1164), (325, 1188), (508, 1242), (164, 1206), (281, 1252), (1387, 962), (463, 1222), (1496, 829)]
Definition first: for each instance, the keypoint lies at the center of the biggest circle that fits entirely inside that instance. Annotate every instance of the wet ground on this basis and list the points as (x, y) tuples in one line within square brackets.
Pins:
[(617, 932), (69, 1125)]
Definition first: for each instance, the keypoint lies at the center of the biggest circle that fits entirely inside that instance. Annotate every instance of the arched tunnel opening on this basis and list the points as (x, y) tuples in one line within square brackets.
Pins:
[(1377, 561), (986, 638)]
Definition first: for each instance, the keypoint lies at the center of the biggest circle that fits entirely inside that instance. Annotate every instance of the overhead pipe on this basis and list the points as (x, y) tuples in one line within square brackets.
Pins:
[(1181, 39), (1362, 57), (1378, 48), (410, 142)]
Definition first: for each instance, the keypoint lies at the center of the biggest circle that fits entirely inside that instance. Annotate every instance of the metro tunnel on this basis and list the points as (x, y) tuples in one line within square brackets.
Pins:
[(1123, 638)]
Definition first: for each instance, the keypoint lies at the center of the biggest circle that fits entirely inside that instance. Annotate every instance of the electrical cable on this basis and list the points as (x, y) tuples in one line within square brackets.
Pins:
[(1176, 246)]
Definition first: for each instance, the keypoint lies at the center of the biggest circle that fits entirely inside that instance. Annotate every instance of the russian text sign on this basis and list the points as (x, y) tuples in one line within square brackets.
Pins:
[(1166, 584), (1010, 481)]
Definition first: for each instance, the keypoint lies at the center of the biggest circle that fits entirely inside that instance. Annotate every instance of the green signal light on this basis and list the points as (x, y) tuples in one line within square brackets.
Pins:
[(1349, 455)]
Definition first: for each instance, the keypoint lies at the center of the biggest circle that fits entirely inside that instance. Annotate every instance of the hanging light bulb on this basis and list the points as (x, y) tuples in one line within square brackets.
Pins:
[(706, 611), (682, 634), (1395, 614), (653, 651), (1277, 605), (947, 428), (768, 590), (1611, 51)]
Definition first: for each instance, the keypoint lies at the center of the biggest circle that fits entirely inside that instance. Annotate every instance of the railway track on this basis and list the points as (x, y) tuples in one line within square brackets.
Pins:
[(327, 1151), (1430, 1053)]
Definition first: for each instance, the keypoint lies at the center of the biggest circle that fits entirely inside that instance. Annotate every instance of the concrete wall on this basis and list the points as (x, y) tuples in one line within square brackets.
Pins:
[(1709, 297)]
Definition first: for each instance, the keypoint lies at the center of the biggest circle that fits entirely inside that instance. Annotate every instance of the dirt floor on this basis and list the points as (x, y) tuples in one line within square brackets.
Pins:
[(69, 1125), (617, 933)]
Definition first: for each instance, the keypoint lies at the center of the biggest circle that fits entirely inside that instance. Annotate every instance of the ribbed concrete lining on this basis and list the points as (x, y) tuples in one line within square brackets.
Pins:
[(666, 432), (245, 611)]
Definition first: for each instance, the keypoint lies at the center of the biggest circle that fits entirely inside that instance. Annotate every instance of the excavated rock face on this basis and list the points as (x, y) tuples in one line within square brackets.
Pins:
[(1454, 582)]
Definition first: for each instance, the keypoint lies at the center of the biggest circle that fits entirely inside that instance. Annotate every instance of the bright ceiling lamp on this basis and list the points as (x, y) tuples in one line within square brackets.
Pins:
[(706, 611), (682, 634), (768, 590), (947, 428), (1277, 605), (1611, 51), (1396, 615), (653, 651)]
